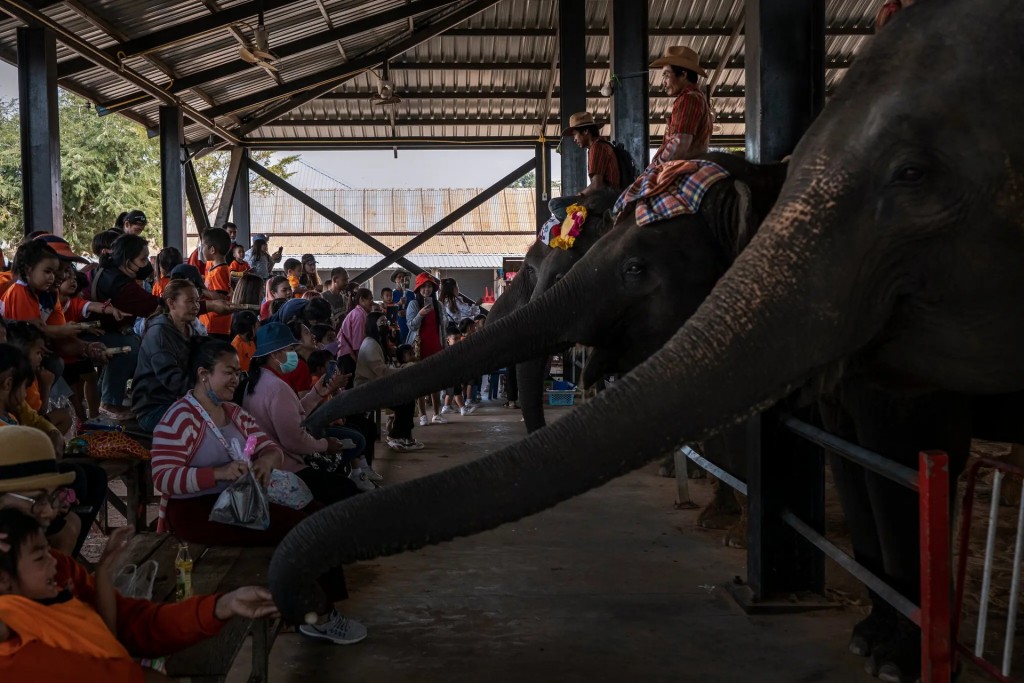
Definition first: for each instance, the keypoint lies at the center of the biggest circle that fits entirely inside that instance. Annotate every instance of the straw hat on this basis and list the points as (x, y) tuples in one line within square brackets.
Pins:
[(27, 462), (681, 56), (578, 120)]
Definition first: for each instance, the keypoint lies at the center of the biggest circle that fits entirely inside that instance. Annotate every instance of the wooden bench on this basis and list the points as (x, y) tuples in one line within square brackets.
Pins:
[(215, 570)]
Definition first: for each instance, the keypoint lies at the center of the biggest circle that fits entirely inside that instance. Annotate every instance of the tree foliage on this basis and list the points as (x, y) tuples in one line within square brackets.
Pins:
[(108, 165)]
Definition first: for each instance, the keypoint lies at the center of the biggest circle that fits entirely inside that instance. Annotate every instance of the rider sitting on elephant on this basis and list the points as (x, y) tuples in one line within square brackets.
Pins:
[(688, 131), (602, 164)]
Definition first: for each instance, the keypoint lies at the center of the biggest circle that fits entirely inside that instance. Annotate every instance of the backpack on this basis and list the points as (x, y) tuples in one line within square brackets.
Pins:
[(628, 171)]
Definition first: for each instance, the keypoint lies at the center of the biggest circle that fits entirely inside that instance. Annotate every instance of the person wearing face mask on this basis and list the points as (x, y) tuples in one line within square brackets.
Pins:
[(161, 373), (118, 280), (321, 463)]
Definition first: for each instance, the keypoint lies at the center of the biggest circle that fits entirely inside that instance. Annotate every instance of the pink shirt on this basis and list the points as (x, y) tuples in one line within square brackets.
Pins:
[(277, 408), (352, 332)]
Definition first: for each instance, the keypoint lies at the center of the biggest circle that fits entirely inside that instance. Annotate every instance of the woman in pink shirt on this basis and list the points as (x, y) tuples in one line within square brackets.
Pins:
[(353, 331)]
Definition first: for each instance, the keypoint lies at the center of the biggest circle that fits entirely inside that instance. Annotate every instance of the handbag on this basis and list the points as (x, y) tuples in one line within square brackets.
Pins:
[(243, 503), (287, 489)]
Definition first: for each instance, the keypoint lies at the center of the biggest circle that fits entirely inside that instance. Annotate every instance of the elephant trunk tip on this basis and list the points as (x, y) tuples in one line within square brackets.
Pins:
[(311, 618)]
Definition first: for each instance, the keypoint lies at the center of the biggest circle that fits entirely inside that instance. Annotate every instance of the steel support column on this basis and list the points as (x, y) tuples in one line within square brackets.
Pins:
[(240, 201), (40, 131), (172, 177), (630, 101), (227, 193), (542, 176), (572, 48), (785, 74)]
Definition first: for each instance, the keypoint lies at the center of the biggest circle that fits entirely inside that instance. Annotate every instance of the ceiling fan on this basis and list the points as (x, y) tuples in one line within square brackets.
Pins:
[(258, 53), (385, 89)]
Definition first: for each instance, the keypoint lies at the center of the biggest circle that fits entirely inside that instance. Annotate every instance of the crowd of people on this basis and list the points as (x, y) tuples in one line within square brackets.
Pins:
[(220, 357)]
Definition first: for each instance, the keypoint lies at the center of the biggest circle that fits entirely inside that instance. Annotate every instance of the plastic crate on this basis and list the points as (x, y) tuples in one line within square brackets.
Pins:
[(561, 398)]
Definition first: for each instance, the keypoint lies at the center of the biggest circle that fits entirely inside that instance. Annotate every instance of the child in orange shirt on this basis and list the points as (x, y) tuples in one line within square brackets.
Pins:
[(46, 633), (292, 270), (218, 279), (243, 331), (166, 260), (27, 337), (238, 263), (32, 296)]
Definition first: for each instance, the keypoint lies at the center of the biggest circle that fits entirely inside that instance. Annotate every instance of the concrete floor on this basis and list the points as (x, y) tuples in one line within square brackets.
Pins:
[(615, 585)]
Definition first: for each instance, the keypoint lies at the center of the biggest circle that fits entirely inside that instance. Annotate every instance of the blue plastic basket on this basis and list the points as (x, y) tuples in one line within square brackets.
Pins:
[(561, 398)]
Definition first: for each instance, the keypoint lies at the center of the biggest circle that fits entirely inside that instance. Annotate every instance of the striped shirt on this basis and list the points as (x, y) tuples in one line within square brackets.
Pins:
[(691, 115)]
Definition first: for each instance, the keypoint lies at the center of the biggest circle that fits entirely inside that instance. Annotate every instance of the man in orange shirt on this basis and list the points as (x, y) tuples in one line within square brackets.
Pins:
[(602, 165), (218, 279), (688, 131)]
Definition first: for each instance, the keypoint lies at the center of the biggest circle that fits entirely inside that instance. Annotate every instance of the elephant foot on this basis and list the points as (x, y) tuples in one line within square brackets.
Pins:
[(898, 659), (668, 467), (736, 536), (878, 627)]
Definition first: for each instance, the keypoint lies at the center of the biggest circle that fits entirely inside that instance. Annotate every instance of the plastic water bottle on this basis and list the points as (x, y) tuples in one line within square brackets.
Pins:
[(183, 572)]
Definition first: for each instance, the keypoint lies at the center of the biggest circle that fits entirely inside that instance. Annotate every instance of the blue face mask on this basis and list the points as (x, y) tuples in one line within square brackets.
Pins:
[(291, 362)]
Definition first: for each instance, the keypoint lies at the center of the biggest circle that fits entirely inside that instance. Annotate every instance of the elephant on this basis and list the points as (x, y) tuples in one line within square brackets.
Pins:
[(543, 266), (892, 252)]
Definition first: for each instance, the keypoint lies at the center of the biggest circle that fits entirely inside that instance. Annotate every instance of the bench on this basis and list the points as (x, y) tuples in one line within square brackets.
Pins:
[(215, 570), (138, 483)]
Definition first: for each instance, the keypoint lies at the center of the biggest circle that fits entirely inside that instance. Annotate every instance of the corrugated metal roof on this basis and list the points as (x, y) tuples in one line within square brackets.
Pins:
[(473, 58), (326, 262)]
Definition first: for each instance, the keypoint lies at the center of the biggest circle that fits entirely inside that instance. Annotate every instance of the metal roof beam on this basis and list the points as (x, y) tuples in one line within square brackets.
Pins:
[(179, 33), (721, 91), (323, 82), (23, 10), (525, 121), (681, 32), (497, 142)]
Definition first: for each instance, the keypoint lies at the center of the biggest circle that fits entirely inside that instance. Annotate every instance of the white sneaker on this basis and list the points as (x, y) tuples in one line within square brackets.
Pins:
[(445, 410), (337, 629), (372, 474), (412, 445), (424, 420), (362, 481), (438, 420), (468, 410), (397, 445)]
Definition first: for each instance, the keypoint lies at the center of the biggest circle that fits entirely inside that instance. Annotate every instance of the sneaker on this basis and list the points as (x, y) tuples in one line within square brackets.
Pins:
[(397, 445), (372, 474), (446, 409), (438, 420), (337, 629), (424, 420), (412, 445), (362, 481), (468, 410)]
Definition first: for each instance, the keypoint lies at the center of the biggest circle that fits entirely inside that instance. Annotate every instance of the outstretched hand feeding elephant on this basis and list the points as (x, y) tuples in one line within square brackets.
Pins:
[(895, 244), (542, 268)]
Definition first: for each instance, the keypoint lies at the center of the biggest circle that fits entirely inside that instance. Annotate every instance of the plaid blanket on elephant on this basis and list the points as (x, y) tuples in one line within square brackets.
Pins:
[(670, 189)]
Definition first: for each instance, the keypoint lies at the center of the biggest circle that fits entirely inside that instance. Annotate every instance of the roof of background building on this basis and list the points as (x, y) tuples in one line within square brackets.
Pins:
[(466, 71)]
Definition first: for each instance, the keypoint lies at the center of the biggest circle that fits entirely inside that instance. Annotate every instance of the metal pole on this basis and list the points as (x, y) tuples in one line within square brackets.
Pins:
[(936, 603), (785, 74), (172, 177), (240, 207), (572, 46), (986, 576), (630, 100), (42, 208)]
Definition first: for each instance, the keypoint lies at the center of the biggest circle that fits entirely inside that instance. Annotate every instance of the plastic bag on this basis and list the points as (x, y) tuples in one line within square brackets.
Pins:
[(288, 490), (136, 581), (243, 503)]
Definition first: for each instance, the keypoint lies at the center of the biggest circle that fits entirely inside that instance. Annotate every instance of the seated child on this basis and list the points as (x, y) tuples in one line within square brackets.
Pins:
[(293, 271), (243, 336), (29, 339), (167, 260), (405, 354), (238, 263), (45, 633)]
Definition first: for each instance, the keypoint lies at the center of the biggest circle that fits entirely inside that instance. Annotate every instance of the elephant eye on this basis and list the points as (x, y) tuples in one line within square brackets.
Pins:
[(634, 268), (908, 174)]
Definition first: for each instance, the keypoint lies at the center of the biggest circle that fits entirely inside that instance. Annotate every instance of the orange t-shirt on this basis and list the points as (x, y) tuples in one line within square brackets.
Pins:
[(293, 280), (245, 349), (66, 641), (6, 280), (158, 286), (195, 260), (32, 396), (239, 267), (21, 303), (74, 309), (218, 279)]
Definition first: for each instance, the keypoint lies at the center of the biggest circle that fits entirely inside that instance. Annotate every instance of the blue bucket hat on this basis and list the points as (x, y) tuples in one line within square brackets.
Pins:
[(273, 337), (184, 271)]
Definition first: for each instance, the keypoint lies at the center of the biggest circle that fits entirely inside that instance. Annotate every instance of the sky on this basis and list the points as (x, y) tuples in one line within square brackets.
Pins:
[(379, 168)]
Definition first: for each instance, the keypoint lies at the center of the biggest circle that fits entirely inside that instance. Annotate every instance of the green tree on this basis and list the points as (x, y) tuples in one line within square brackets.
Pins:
[(108, 165)]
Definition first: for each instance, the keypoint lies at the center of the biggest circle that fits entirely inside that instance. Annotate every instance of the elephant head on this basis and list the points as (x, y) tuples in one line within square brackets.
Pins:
[(896, 241)]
